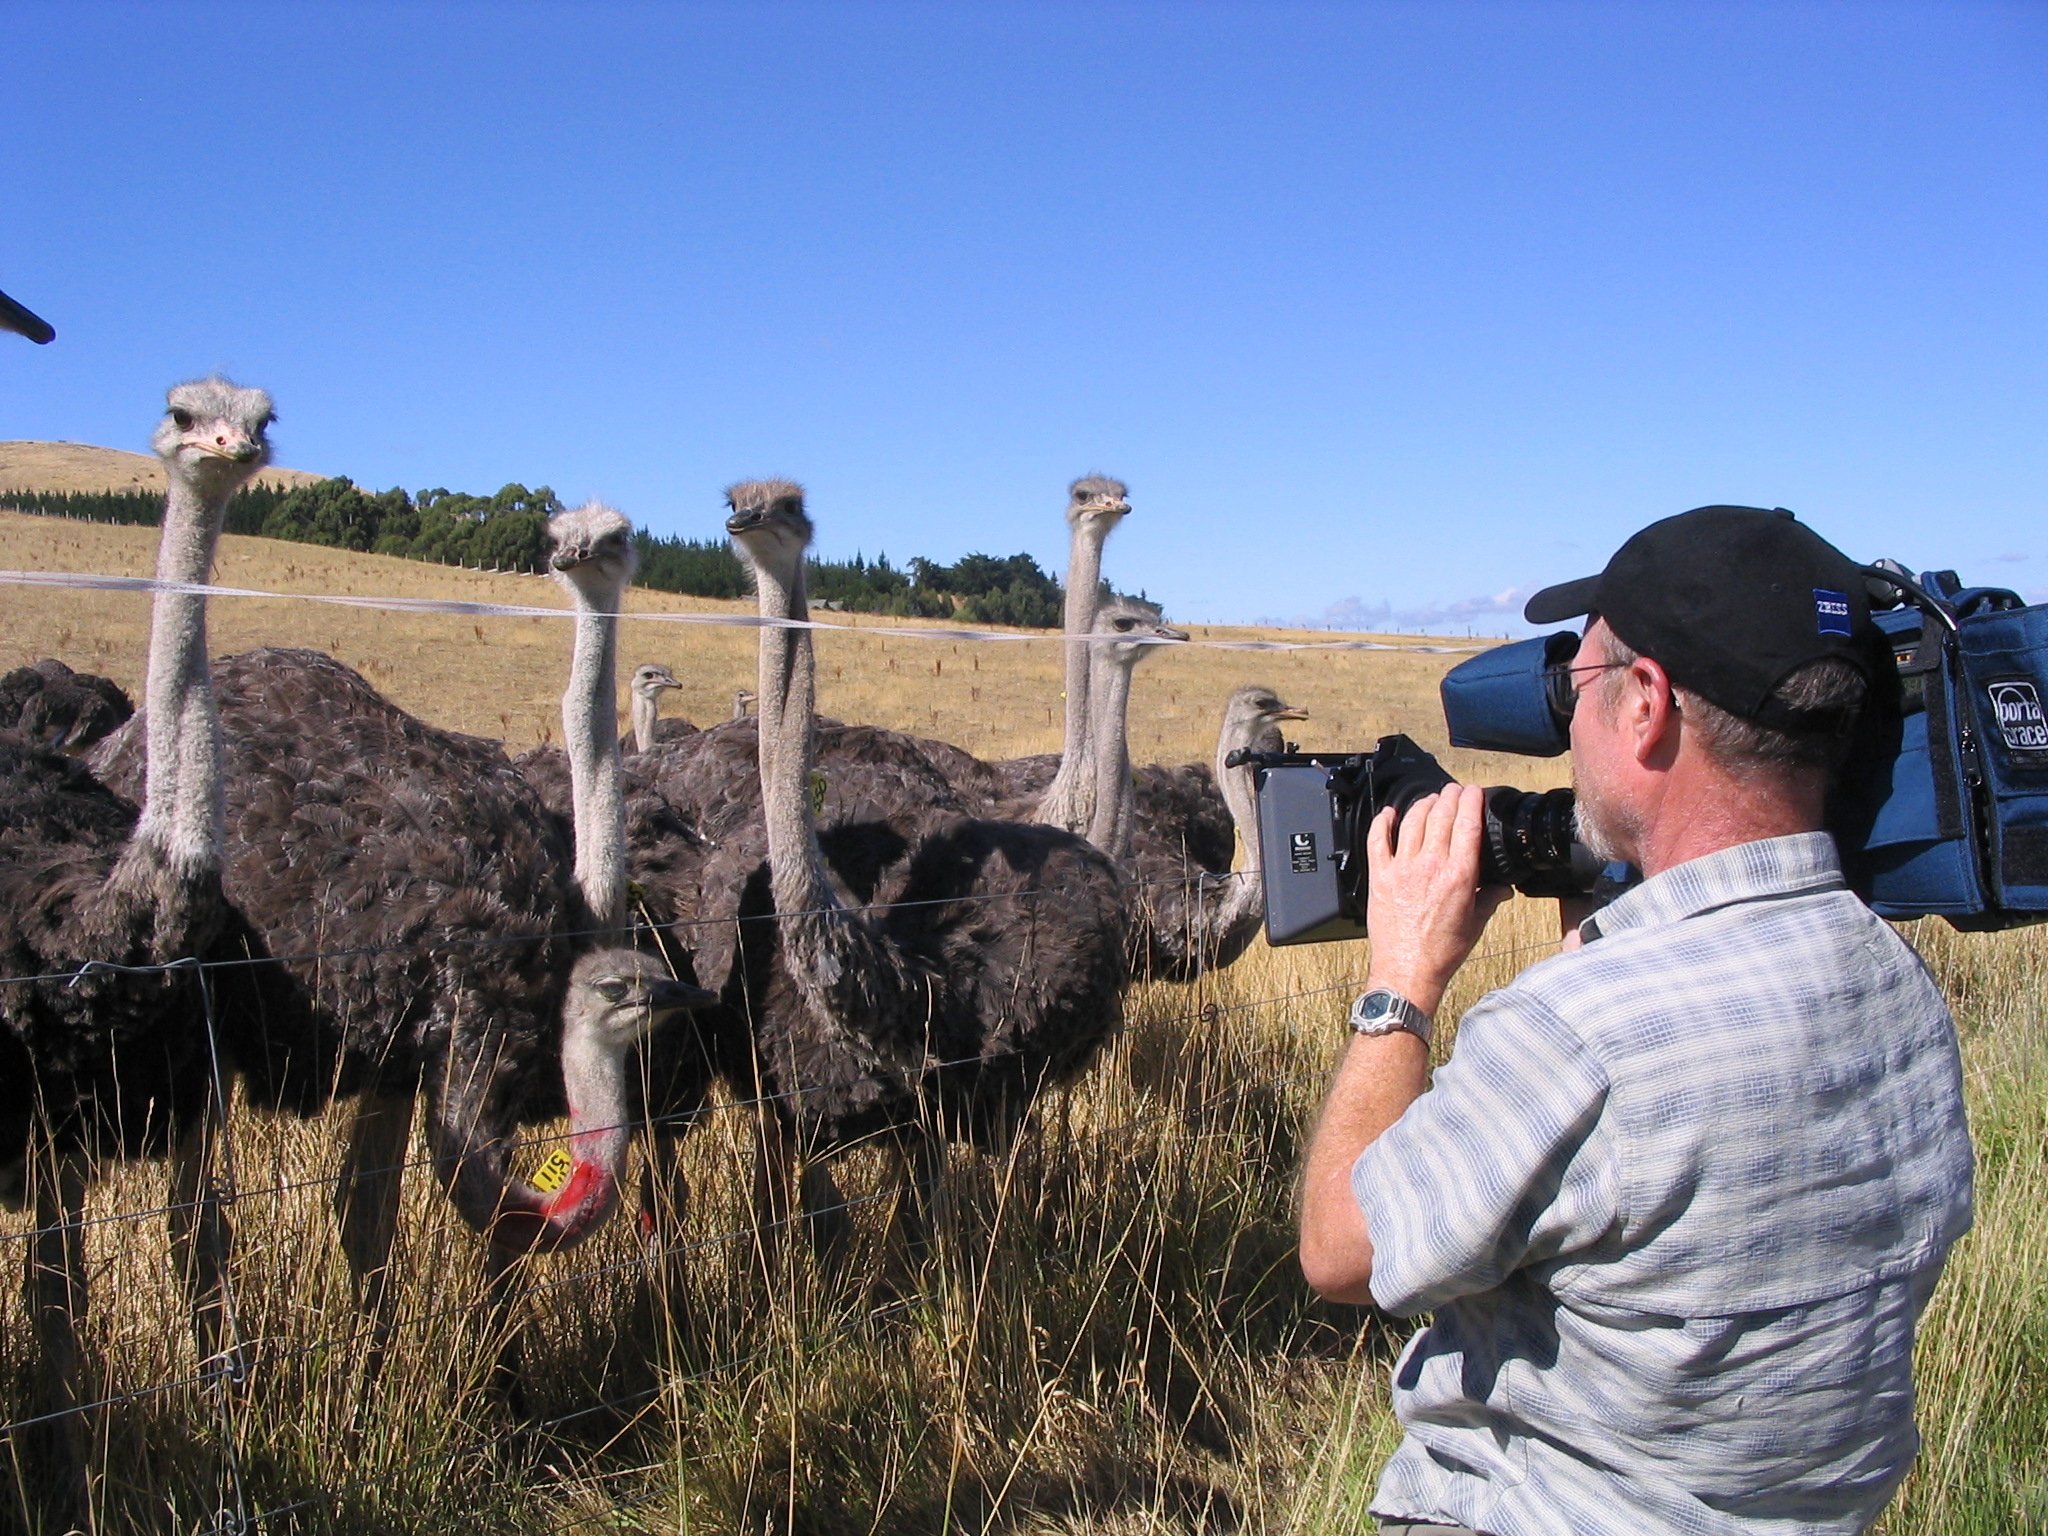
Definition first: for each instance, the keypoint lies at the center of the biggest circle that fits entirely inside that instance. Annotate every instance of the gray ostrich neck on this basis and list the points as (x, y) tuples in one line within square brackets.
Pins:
[(181, 829), (590, 728), (595, 1085), (646, 711), (1070, 799), (1247, 890), (1109, 825), (786, 698)]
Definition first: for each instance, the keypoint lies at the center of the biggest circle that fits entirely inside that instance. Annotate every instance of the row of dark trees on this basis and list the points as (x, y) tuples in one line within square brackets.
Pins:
[(507, 532)]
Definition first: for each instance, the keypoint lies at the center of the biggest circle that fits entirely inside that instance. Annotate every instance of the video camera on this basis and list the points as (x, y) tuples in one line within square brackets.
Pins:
[(1942, 812)]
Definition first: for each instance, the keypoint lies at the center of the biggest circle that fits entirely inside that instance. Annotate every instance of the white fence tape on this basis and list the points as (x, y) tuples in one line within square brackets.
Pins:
[(92, 581)]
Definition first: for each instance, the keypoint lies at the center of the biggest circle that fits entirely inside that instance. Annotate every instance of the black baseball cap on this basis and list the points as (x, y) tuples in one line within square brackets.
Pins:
[(1731, 601)]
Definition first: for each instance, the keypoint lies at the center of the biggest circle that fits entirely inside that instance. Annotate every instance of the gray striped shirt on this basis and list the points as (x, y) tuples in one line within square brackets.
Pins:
[(1677, 1201)]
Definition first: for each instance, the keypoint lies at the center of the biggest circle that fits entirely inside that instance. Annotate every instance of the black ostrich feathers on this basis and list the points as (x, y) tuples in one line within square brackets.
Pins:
[(117, 1063), (414, 885), (52, 705)]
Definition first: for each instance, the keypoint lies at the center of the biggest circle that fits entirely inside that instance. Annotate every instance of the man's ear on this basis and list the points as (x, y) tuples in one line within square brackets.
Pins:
[(1653, 712)]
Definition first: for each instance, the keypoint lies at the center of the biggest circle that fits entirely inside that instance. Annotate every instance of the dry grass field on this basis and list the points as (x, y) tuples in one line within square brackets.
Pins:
[(1112, 1337)]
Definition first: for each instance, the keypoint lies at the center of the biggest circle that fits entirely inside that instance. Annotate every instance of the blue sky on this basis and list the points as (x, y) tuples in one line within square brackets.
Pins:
[(1383, 310)]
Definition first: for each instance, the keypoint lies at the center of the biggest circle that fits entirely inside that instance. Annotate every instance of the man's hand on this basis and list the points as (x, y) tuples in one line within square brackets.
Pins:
[(1424, 913), (1424, 910)]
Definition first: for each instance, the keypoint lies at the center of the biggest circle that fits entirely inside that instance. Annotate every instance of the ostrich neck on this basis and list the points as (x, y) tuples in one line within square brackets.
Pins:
[(1109, 825), (786, 698), (594, 1081), (182, 826), (590, 728), (646, 711), (1247, 896), (1235, 784), (1069, 799)]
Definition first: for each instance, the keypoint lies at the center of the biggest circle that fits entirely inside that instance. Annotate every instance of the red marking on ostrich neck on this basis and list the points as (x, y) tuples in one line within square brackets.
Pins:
[(530, 1222)]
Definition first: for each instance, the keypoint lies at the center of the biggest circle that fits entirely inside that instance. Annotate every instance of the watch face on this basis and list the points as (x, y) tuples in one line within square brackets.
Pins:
[(1375, 1009), (1382, 1012)]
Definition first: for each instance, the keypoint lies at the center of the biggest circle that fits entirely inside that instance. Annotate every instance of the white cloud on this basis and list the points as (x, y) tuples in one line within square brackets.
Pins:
[(1459, 613)]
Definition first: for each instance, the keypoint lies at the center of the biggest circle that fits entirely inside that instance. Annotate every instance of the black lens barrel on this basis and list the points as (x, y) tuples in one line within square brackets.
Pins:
[(1532, 843)]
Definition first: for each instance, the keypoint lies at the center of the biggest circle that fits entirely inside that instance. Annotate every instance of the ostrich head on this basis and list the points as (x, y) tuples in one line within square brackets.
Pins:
[(769, 524), (741, 700), (593, 547), (651, 681), (616, 999), (1097, 501), (214, 433), (1136, 626), (1252, 719)]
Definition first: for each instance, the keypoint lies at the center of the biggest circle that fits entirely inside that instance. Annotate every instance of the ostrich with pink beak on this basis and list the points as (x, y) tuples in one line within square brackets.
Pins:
[(617, 995)]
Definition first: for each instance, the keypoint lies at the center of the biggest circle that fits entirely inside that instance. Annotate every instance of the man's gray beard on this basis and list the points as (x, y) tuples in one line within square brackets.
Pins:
[(1597, 827)]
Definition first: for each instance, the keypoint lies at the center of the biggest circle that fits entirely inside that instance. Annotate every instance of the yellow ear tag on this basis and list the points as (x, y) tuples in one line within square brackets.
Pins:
[(554, 1173), (817, 793)]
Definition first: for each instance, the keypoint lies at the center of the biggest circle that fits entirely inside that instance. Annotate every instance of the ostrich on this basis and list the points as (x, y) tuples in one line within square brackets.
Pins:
[(116, 1063), (1095, 505), (51, 704), (946, 1009), (1181, 924), (649, 683), (435, 888), (617, 996), (1133, 627), (1184, 833), (741, 700)]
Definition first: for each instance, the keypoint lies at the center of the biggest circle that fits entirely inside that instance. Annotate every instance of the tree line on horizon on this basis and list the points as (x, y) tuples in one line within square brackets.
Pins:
[(507, 532)]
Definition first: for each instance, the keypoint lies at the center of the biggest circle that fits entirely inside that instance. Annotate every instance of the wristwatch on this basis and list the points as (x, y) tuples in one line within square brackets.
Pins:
[(1382, 1011)]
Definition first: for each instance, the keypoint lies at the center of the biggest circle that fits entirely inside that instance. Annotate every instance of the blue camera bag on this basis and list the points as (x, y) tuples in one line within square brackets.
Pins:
[(1957, 821)]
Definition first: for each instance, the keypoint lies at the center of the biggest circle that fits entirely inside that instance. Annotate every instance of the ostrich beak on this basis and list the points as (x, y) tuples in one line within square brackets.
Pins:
[(1288, 713), (240, 452), (568, 559), (743, 521), (1164, 633), (666, 997)]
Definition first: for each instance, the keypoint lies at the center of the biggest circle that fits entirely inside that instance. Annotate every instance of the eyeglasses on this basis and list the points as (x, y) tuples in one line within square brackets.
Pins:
[(1561, 693)]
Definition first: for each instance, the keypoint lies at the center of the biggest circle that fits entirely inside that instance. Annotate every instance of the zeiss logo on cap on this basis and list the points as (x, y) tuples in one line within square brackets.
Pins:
[(2018, 710), (1831, 611)]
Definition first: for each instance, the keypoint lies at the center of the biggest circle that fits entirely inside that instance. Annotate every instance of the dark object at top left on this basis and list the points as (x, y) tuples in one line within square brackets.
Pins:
[(25, 322)]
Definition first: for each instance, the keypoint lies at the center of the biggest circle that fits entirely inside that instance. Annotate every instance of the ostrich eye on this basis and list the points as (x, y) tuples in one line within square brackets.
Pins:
[(612, 990), (183, 419), (269, 421), (1123, 626)]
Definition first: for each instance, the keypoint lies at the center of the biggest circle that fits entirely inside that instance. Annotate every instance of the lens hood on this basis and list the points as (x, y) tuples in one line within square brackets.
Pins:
[(1496, 702)]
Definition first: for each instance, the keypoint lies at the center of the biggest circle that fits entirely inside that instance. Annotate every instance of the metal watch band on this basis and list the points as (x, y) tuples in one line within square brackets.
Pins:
[(1382, 1011)]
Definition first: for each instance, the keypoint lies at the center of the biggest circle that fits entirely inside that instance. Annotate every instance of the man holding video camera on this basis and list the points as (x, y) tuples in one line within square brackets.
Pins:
[(1679, 1195)]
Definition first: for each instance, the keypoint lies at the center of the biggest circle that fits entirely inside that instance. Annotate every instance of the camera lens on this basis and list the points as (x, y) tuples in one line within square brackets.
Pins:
[(1531, 844)]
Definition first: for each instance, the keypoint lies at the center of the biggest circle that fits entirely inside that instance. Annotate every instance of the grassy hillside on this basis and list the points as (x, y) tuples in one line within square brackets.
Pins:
[(36, 466)]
